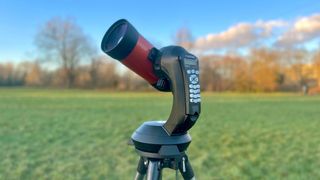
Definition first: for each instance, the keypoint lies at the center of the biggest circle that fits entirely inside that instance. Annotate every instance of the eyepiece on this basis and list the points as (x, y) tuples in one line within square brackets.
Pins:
[(120, 39)]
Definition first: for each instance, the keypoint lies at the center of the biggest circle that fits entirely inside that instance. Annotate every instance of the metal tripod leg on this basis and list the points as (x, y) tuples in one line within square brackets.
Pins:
[(141, 169), (154, 170), (186, 169)]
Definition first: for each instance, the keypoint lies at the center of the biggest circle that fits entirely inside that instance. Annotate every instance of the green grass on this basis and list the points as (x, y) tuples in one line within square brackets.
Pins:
[(51, 134)]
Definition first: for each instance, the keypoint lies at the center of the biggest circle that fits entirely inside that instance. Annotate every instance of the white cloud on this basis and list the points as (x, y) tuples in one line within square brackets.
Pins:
[(244, 34), (302, 30), (239, 35), (269, 26)]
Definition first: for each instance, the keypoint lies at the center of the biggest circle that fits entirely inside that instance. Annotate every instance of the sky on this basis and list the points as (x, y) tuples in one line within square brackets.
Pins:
[(215, 25)]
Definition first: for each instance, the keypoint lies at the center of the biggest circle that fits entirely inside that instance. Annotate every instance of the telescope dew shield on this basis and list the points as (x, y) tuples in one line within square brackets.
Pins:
[(124, 43)]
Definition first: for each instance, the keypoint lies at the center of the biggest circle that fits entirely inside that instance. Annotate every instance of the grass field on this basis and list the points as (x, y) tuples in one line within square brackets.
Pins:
[(51, 134)]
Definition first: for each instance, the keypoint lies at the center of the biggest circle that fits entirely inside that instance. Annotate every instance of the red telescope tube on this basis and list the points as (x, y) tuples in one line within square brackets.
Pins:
[(124, 43)]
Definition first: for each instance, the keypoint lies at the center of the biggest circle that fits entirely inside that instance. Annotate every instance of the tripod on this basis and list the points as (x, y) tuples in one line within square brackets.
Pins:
[(158, 150), (153, 167)]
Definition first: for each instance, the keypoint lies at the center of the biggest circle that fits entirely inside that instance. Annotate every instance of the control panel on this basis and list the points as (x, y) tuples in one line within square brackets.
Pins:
[(192, 84)]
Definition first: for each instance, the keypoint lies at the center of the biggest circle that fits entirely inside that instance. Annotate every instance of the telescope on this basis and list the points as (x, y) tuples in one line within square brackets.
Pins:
[(160, 144)]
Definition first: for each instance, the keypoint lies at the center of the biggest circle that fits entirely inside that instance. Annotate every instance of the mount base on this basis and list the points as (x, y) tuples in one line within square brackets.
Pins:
[(158, 150)]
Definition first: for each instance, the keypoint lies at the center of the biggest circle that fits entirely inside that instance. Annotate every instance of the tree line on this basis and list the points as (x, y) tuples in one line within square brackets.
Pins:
[(62, 44), (263, 70), (100, 74)]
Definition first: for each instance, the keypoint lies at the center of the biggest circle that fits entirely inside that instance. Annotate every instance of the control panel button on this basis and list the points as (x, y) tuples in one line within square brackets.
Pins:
[(194, 79)]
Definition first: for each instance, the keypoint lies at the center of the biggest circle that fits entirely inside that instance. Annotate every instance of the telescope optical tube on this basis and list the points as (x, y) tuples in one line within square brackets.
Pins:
[(124, 43)]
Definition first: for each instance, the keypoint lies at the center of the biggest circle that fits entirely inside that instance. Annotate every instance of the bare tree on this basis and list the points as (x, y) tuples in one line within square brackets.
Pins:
[(317, 64), (298, 59), (33, 74), (103, 73), (96, 63), (265, 69), (184, 38), (62, 41)]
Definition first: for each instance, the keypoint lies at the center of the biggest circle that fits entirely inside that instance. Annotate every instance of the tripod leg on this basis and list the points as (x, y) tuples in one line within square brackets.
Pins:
[(154, 170), (186, 169), (141, 169)]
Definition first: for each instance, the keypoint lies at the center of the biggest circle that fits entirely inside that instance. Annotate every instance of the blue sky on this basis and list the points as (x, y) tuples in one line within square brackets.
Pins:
[(156, 20)]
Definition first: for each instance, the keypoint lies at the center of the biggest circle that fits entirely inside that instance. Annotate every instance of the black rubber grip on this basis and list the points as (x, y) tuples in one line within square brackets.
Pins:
[(142, 168), (186, 169)]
